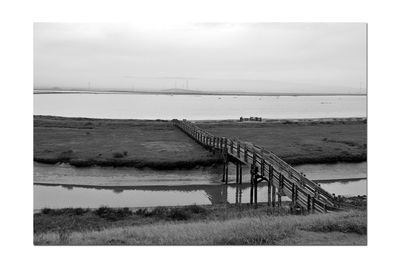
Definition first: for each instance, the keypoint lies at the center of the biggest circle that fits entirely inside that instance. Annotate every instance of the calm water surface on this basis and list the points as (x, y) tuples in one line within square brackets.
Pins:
[(120, 187), (132, 106)]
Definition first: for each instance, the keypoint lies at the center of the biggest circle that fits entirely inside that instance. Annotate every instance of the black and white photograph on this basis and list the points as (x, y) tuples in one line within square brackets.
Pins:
[(192, 133), (200, 134)]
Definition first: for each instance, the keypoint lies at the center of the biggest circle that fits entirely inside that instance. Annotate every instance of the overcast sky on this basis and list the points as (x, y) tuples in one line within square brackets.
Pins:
[(270, 57)]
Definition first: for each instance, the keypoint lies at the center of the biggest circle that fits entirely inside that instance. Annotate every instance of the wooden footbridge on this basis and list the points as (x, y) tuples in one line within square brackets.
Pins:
[(282, 179)]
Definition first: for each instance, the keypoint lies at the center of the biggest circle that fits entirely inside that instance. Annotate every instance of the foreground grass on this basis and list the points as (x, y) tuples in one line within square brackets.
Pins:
[(78, 219), (251, 228)]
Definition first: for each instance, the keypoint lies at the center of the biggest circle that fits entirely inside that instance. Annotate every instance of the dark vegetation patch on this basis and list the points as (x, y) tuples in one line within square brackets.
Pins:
[(65, 211), (175, 213), (119, 155), (113, 214)]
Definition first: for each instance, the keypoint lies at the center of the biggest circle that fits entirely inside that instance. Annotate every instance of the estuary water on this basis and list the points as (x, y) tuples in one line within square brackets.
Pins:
[(60, 186), (198, 107)]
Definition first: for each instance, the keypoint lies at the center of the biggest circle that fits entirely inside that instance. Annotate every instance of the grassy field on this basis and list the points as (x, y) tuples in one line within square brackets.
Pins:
[(198, 225), (137, 143), (301, 142), (159, 145)]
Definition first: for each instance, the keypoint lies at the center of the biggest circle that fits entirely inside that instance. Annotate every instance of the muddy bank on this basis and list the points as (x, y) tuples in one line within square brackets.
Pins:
[(132, 163)]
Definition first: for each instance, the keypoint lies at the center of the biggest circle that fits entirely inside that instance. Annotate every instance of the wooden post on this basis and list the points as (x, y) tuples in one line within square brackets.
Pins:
[(231, 144), (271, 173), (255, 188), (237, 195), (280, 199), (245, 153), (294, 195), (263, 168), (238, 150), (312, 205), (273, 195), (223, 173), (252, 185), (227, 172), (269, 193), (240, 194), (237, 172), (225, 194), (308, 202), (270, 185), (240, 172), (280, 190)]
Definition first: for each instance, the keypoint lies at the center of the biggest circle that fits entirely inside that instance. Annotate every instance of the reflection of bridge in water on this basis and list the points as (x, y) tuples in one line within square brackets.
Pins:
[(216, 193)]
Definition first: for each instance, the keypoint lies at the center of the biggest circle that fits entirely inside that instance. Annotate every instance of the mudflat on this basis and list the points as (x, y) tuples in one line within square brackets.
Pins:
[(158, 144)]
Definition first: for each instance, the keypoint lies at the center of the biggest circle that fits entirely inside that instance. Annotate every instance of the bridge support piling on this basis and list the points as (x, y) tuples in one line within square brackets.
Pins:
[(312, 205), (226, 172), (273, 196), (269, 194), (240, 173), (237, 172), (251, 185), (223, 172), (225, 194), (237, 195), (255, 190), (280, 192)]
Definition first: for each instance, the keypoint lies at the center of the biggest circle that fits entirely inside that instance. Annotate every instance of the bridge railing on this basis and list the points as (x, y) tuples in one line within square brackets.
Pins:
[(287, 179)]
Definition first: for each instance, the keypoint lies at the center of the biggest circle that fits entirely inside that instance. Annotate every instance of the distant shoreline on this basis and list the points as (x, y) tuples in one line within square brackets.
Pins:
[(198, 93)]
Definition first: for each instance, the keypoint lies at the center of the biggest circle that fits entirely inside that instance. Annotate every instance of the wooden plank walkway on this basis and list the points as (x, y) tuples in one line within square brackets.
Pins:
[(282, 179)]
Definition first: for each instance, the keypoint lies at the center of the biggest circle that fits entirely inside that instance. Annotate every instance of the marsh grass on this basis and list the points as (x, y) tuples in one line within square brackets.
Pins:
[(160, 145), (256, 230), (112, 213)]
